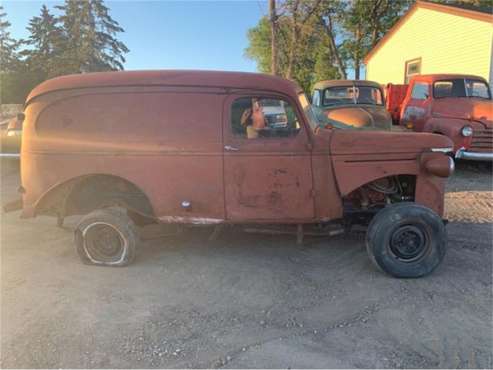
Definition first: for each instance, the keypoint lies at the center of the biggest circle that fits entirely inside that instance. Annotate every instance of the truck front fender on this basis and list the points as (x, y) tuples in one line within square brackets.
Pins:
[(450, 127), (352, 174)]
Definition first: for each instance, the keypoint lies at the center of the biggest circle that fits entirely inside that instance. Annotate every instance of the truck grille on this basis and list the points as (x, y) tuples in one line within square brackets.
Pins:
[(482, 140)]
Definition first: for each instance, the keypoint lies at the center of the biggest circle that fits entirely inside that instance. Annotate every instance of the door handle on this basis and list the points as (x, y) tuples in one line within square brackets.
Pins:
[(230, 148)]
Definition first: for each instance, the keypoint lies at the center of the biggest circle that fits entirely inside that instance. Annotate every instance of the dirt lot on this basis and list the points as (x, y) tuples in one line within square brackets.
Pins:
[(246, 300)]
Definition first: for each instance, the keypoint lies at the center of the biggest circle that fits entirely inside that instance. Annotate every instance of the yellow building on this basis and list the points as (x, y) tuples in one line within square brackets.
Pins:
[(434, 38)]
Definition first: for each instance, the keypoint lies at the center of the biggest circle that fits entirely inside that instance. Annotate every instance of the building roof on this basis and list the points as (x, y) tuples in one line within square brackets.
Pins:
[(333, 83), (220, 79), (479, 13)]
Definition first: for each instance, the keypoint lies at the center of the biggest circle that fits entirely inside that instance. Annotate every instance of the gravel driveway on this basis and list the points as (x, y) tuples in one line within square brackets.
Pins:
[(247, 300)]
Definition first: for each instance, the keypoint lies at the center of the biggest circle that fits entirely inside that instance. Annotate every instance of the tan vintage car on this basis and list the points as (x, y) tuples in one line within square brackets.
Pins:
[(198, 148), (355, 103), (11, 135)]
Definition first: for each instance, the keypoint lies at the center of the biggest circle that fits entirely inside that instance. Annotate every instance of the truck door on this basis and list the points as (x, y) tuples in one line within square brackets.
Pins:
[(267, 160), (416, 106)]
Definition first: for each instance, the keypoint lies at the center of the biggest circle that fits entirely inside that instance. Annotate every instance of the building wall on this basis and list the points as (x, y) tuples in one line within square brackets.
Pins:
[(445, 43)]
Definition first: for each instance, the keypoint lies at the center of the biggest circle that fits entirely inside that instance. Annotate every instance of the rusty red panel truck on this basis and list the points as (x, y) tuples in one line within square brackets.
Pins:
[(457, 106), (123, 149)]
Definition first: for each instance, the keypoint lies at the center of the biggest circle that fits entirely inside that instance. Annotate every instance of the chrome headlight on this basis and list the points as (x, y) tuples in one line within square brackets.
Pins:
[(466, 131)]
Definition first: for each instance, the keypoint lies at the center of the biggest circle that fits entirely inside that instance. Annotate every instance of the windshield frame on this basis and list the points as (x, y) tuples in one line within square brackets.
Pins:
[(464, 82), (354, 99)]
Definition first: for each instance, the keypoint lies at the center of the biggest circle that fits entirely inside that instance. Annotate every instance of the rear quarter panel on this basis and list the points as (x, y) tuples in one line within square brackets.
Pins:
[(166, 142)]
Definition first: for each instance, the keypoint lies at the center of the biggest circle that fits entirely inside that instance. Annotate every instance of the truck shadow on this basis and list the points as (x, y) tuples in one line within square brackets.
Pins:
[(236, 249)]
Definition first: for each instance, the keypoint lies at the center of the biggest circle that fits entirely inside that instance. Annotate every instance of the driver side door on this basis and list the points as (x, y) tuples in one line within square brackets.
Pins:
[(267, 175)]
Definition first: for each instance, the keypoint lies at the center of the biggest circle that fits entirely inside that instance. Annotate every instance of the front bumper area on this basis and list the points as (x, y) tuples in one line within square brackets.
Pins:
[(473, 156)]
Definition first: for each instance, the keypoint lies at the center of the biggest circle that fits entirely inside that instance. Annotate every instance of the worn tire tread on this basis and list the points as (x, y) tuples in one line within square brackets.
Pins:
[(116, 216), (382, 222)]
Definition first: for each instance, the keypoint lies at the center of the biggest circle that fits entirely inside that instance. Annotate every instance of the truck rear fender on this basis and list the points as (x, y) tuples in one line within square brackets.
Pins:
[(85, 193)]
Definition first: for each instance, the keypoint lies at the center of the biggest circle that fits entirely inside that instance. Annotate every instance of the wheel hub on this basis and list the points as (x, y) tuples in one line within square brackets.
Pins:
[(103, 243), (408, 243)]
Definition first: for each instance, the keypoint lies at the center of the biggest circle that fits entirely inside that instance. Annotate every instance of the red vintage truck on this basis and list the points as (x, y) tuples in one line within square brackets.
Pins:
[(123, 149), (457, 106)]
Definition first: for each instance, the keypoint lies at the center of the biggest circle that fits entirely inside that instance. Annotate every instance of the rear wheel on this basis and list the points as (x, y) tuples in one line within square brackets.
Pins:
[(406, 240), (106, 237)]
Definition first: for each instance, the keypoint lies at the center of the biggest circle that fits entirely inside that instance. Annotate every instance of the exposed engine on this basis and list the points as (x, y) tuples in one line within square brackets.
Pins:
[(368, 199)]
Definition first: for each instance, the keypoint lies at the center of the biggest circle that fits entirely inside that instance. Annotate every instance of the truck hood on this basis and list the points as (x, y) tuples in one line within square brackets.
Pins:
[(361, 116), (474, 109), (346, 142)]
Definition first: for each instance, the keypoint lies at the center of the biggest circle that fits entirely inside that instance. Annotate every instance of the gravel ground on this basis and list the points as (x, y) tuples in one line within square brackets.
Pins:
[(247, 300)]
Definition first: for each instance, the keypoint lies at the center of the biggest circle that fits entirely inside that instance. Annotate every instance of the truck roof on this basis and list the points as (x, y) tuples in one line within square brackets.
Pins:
[(241, 80), (333, 83), (445, 76)]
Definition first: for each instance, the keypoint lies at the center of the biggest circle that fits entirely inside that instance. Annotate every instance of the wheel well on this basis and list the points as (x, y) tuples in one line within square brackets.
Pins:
[(87, 193), (363, 202)]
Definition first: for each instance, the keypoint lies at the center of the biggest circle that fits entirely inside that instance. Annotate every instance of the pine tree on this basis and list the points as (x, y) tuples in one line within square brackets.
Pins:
[(44, 39), (8, 46), (89, 38)]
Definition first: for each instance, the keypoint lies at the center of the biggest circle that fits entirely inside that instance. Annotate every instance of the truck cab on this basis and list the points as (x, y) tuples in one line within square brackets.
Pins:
[(457, 106)]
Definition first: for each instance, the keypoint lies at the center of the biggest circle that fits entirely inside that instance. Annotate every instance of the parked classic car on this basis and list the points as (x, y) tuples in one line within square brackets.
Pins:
[(172, 147), (10, 136), (355, 103), (457, 106)]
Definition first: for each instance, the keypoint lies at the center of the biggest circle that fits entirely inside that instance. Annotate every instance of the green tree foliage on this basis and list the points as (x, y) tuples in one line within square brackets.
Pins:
[(89, 42), (313, 61), (8, 46), (335, 35), (84, 38), (364, 23), (44, 44), (482, 5)]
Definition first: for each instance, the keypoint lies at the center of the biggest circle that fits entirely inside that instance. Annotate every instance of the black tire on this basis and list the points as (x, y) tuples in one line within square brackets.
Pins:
[(406, 240), (106, 237)]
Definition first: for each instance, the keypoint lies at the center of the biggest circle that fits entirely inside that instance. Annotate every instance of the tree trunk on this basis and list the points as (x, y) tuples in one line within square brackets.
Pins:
[(292, 50), (273, 34), (297, 27), (294, 39), (356, 54), (333, 47)]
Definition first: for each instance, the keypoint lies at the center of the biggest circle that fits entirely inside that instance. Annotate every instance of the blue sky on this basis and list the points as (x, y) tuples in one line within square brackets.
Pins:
[(171, 34)]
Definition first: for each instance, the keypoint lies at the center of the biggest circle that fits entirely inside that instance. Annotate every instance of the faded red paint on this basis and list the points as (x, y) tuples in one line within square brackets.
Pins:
[(446, 116), (168, 133)]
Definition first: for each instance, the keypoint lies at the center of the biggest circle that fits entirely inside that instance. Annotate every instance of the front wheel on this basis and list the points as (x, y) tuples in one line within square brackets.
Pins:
[(406, 240), (106, 237)]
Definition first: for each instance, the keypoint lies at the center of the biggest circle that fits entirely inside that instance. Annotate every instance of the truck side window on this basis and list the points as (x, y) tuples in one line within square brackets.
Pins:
[(420, 91), (262, 117)]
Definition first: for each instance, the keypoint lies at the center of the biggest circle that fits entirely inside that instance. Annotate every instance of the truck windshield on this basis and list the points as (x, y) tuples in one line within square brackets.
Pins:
[(316, 117), (341, 95), (461, 88)]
